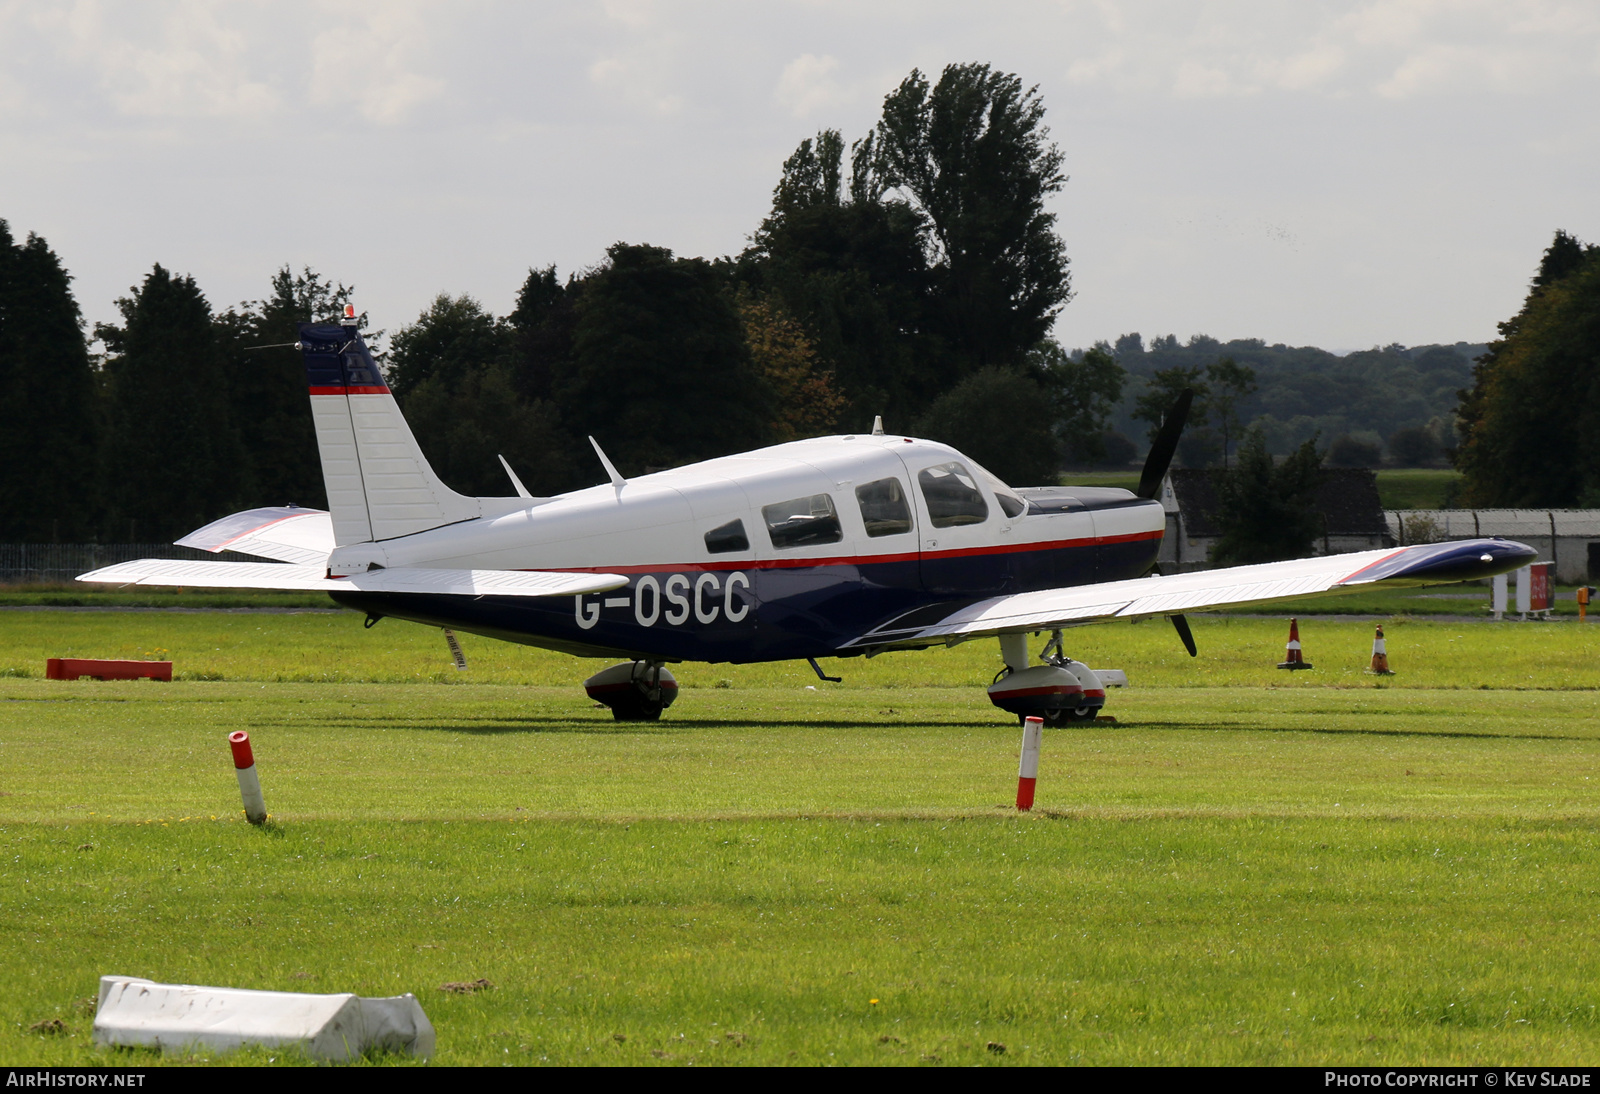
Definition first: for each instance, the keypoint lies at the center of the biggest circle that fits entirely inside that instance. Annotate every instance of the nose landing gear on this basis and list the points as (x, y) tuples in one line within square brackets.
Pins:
[(636, 691)]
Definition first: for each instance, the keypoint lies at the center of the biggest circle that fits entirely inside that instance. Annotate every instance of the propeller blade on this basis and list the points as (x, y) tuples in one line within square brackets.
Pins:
[(1181, 625), (1165, 445)]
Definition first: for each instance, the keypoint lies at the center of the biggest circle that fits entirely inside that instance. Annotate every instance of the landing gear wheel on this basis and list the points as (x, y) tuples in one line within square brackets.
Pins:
[(635, 691), (637, 706)]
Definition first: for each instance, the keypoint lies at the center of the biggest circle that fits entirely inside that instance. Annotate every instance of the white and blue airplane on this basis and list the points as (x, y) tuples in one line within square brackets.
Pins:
[(829, 547)]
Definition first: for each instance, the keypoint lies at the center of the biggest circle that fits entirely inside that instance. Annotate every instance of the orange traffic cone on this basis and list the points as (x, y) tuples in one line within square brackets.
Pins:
[(1293, 659), (1380, 655)]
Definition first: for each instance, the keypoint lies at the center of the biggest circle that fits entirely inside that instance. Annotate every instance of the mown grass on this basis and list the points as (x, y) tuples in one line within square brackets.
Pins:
[(318, 647), (72, 594), (1248, 867)]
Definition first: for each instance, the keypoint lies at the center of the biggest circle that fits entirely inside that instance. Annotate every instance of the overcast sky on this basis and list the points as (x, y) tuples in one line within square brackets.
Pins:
[(1335, 174)]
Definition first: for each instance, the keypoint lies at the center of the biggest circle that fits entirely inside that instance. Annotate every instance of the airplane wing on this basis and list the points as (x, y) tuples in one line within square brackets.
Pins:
[(1048, 609), (286, 533), (313, 578)]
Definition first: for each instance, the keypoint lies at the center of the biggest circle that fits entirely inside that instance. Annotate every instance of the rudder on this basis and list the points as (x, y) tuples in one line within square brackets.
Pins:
[(380, 486)]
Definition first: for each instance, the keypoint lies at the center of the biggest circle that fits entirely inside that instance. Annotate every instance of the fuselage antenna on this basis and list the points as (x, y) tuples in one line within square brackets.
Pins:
[(616, 480), (877, 425), (522, 491)]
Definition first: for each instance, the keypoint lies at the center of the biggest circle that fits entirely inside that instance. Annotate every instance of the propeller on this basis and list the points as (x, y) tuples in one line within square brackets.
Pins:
[(1165, 445), (1181, 625)]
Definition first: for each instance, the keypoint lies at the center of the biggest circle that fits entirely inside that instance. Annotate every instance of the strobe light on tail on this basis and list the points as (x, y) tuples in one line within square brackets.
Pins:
[(829, 547)]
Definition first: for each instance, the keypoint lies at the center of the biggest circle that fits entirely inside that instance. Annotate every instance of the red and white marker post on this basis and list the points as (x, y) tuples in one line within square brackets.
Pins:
[(244, 766), (1028, 769)]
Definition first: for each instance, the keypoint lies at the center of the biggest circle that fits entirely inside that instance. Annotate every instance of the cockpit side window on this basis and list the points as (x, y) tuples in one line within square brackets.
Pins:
[(884, 508), (727, 537), (952, 495), (803, 522)]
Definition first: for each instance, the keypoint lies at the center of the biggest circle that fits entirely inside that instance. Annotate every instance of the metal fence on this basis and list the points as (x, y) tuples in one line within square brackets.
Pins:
[(1568, 537), (42, 563)]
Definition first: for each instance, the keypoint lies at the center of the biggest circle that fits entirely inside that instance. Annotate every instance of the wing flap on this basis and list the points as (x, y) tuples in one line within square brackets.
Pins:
[(273, 575)]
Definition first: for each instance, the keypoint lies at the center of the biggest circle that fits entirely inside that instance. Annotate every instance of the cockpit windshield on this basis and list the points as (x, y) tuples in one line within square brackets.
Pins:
[(1010, 504)]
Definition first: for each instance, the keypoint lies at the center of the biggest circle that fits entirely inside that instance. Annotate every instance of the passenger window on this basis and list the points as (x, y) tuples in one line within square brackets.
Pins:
[(729, 537), (953, 496), (803, 522), (883, 508)]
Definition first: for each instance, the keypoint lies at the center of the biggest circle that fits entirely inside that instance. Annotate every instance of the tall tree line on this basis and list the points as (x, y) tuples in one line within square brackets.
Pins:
[(913, 275), (1530, 422), (183, 418)]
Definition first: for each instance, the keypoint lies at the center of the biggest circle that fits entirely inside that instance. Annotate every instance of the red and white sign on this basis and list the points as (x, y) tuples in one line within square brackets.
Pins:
[(1541, 587)]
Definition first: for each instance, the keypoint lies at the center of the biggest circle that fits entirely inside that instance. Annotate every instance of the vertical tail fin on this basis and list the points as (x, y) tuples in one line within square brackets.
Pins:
[(379, 483)]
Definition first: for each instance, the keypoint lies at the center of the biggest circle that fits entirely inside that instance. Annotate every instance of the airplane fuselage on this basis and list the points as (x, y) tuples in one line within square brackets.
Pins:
[(783, 553)]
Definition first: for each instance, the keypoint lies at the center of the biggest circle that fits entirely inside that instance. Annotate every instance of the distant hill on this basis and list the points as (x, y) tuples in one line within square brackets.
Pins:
[(1303, 390)]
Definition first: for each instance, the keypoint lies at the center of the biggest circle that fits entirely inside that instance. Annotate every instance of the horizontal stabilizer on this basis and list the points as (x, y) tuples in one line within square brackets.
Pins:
[(272, 575), (287, 533), (1202, 590)]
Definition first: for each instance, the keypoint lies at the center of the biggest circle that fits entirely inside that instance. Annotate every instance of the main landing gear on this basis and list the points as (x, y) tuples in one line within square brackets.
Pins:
[(636, 691), (1061, 691)]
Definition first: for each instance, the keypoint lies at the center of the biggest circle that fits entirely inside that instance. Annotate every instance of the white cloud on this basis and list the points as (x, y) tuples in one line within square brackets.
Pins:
[(807, 85), (374, 57), (1195, 80), (1307, 69), (190, 59)]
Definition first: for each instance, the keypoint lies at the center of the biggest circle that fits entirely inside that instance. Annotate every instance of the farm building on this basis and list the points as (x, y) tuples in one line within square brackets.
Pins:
[(1352, 517)]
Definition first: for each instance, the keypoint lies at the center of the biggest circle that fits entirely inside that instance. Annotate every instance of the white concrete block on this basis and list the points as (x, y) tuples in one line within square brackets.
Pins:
[(182, 1017)]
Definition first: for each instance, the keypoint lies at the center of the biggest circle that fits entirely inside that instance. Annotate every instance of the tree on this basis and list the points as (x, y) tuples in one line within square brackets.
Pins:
[(1162, 390), (465, 421), (973, 156), (806, 400), (1266, 510), (267, 389), (173, 458), (995, 417), (1198, 446), (455, 374), (936, 258), (541, 331), (1229, 382), (1355, 450), (1414, 446), (451, 339), (660, 372), (47, 399), (1530, 424), (852, 269), (1082, 394)]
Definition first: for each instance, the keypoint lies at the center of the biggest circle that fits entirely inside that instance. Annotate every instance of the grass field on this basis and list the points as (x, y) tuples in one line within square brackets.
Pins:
[(1248, 867)]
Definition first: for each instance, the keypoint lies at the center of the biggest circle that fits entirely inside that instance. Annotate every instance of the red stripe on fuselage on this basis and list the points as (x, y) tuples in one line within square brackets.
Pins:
[(359, 389), (854, 560)]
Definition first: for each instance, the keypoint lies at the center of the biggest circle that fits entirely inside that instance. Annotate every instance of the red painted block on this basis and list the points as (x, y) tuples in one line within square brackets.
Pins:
[(70, 668)]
